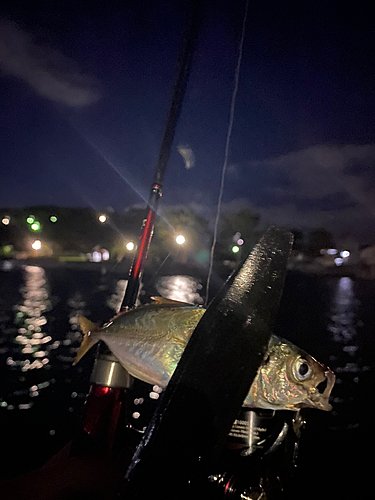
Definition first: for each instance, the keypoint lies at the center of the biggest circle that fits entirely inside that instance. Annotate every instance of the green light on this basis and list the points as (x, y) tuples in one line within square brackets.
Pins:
[(235, 249), (30, 219), (7, 249), (53, 218), (35, 226)]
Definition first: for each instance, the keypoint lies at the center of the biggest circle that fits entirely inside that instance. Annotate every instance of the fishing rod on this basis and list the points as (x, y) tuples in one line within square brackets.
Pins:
[(109, 380), (183, 70)]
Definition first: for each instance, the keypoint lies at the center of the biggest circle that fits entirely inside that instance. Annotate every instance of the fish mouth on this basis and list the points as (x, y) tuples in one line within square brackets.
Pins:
[(320, 396)]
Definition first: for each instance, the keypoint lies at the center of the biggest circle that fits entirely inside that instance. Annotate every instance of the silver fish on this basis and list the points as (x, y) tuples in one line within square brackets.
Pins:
[(149, 341)]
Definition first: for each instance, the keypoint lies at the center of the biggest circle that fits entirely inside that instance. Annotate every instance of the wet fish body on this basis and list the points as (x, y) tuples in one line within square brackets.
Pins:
[(149, 341)]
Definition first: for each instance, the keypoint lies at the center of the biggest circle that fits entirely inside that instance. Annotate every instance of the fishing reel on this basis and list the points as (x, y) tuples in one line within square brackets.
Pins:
[(258, 460), (260, 456)]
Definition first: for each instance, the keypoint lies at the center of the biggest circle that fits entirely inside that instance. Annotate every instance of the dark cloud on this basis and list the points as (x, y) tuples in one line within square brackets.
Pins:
[(51, 74), (326, 185), (320, 171), (332, 202), (361, 168)]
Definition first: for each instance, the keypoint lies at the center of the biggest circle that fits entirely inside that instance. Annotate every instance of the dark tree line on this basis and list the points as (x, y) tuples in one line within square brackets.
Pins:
[(78, 230)]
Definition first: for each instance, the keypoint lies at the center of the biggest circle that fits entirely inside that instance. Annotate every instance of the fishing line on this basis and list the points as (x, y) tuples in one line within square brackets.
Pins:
[(161, 265), (227, 143)]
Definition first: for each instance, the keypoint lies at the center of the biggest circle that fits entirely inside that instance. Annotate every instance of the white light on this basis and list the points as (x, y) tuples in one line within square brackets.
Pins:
[(180, 239), (130, 246), (6, 220), (37, 245), (105, 255), (332, 251), (96, 256), (338, 261), (345, 253), (240, 241), (102, 218)]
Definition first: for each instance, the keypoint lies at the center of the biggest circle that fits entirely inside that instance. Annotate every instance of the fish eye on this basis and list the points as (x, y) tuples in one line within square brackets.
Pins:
[(301, 369)]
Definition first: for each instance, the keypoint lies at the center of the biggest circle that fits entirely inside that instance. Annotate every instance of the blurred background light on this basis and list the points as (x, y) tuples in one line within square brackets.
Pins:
[(130, 246), (36, 245), (180, 239)]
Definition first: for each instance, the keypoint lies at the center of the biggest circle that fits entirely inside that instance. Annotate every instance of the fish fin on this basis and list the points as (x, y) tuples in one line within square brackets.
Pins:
[(87, 328), (164, 301), (86, 325)]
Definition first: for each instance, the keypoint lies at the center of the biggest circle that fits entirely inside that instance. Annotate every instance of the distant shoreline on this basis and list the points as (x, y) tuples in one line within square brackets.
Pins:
[(122, 268)]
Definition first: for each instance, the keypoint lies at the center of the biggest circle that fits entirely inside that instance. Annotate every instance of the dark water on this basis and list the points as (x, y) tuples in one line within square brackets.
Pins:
[(41, 394)]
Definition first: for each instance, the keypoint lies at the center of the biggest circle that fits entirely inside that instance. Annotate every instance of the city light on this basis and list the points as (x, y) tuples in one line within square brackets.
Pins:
[(332, 251), (235, 249), (96, 256), (30, 219), (130, 246), (35, 226), (102, 218), (180, 239), (37, 245), (338, 261), (53, 218), (6, 220), (345, 253), (240, 242)]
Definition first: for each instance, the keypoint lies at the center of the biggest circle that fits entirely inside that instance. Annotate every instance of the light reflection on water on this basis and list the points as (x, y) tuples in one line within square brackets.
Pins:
[(31, 344), (345, 359), (343, 314), (68, 345), (115, 300), (181, 288)]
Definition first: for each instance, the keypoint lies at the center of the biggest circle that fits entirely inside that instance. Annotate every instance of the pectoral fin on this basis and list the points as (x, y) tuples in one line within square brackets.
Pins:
[(89, 329)]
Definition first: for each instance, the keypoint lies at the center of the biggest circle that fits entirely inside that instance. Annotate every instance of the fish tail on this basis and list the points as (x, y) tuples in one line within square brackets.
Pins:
[(87, 328)]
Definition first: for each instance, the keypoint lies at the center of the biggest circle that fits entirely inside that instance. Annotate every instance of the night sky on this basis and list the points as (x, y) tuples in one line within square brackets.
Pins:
[(85, 90)]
